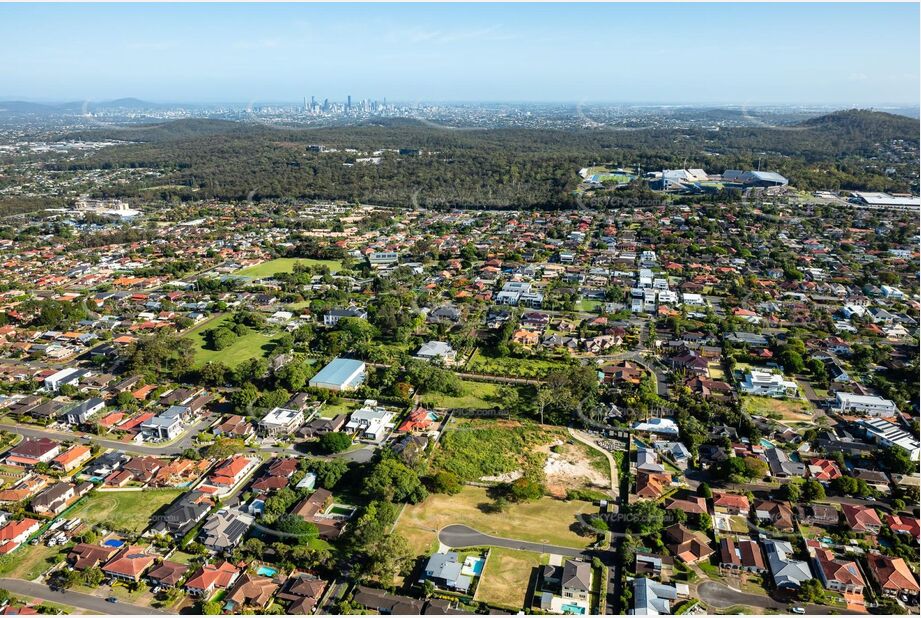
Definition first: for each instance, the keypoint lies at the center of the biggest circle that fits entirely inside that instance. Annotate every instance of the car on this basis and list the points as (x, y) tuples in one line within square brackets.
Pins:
[(798, 610), (111, 599)]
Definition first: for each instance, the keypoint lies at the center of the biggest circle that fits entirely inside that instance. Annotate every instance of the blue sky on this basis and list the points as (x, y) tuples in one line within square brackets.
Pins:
[(849, 54)]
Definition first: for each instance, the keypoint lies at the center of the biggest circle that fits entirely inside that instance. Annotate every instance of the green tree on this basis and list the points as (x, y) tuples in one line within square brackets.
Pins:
[(334, 442)]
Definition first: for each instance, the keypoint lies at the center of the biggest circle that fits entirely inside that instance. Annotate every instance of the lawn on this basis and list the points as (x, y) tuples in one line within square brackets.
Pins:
[(787, 409), (127, 511), (588, 304), (507, 577), (30, 561), (544, 521), (242, 349), (475, 395), (285, 265), (344, 406)]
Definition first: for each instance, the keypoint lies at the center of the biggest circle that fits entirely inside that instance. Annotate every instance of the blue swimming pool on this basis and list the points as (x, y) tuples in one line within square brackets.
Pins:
[(114, 543), (266, 571), (572, 609)]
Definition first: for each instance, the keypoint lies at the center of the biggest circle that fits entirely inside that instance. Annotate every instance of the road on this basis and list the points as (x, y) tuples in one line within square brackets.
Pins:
[(458, 535), (79, 600), (718, 595)]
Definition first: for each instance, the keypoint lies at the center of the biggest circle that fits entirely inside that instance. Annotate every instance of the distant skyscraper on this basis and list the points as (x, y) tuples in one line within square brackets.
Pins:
[(348, 105)]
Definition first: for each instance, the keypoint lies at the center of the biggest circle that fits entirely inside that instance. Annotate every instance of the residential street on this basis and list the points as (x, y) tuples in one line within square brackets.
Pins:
[(719, 595), (458, 535), (80, 600)]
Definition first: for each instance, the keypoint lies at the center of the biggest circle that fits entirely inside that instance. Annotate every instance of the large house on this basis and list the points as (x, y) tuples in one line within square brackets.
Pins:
[(837, 574), (211, 577), (129, 564), (766, 384), (893, 575), (32, 451), (370, 421), (444, 570), (687, 545), (869, 405), (225, 529), (281, 421), (787, 572)]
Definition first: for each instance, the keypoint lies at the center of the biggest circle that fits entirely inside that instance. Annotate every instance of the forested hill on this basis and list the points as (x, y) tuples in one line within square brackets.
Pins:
[(499, 168)]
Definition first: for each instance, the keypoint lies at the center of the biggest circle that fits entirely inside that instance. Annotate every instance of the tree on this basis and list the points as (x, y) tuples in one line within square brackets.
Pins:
[(211, 608), (845, 485), (444, 482), (644, 517), (244, 397), (544, 398), (525, 490), (793, 489), (704, 491), (334, 442), (392, 480)]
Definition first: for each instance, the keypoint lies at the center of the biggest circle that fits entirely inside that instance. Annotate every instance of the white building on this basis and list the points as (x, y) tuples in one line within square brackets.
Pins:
[(767, 384), (281, 421), (437, 349), (55, 381), (370, 421), (869, 405)]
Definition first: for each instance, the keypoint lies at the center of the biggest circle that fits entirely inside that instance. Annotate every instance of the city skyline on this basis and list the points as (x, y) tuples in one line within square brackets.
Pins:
[(752, 54)]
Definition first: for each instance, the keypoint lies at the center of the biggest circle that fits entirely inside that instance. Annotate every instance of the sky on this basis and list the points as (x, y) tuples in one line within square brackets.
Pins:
[(740, 54)]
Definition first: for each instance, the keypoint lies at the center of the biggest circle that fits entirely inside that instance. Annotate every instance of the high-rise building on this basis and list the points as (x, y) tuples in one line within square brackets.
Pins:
[(348, 105)]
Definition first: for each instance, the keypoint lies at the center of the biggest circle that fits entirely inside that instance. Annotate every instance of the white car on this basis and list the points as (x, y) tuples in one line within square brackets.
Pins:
[(798, 610)]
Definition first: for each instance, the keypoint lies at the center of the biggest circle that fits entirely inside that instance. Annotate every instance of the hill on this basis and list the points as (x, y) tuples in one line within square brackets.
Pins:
[(863, 123)]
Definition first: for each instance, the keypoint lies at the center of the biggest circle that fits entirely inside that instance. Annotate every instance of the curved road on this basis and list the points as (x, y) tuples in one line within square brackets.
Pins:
[(459, 535), (79, 600), (722, 596)]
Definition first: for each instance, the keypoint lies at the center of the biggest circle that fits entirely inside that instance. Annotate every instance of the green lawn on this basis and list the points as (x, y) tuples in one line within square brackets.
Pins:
[(787, 409), (30, 561), (344, 406), (475, 395), (507, 576), (252, 345), (588, 304), (514, 367), (127, 511), (285, 265)]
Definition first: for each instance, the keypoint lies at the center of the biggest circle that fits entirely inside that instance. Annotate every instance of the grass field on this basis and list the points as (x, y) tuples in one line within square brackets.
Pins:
[(507, 576), (252, 345), (345, 406), (788, 409), (127, 511), (285, 265), (514, 367), (544, 521), (30, 561), (477, 395)]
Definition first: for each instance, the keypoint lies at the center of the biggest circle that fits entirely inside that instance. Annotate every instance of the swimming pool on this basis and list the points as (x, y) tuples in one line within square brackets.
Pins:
[(473, 566), (114, 543), (267, 571), (572, 609)]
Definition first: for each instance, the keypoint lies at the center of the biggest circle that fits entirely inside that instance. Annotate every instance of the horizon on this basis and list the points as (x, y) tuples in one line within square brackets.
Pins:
[(621, 54)]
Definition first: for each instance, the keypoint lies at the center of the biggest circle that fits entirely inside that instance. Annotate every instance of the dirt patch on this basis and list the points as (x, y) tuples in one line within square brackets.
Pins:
[(568, 467)]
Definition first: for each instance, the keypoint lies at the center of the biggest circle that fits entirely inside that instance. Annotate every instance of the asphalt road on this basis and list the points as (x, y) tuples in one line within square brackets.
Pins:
[(718, 595), (79, 600), (458, 535)]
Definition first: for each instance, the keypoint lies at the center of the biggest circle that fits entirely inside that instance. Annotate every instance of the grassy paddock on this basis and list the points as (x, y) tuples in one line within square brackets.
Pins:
[(128, 511), (285, 265), (544, 521), (507, 576), (251, 345)]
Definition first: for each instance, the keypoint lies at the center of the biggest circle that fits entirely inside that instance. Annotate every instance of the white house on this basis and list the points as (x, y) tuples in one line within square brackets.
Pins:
[(767, 384), (869, 405), (370, 421)]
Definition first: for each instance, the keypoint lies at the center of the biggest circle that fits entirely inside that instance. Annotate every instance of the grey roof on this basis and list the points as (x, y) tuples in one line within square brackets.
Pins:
[(577, 575), (650, 598), (786, 571)]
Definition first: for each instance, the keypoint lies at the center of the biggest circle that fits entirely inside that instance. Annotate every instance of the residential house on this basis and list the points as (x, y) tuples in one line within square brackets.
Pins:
[(281, 421), (15, 533), (731, 504), (838, 574), (861, 518), (652, 598), (766, 384), (129, 564), (85, 555), (72, 458), (250, 591), (444, 570), (54, 499), (787, 572), (576, 581), (302, 592), (777, 514), (893, 575), (209, 578), (32, 451), (225, 529), (741, 555), (689, 546), (167, 574)]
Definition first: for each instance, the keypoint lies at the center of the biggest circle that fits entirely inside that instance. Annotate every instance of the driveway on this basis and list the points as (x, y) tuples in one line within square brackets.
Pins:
[(80, 600), (458, 535)]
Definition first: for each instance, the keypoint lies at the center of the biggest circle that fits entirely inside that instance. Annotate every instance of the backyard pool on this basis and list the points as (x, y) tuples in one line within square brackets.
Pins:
[(572, 609), (114, 543), (473, 566), (266, 571)]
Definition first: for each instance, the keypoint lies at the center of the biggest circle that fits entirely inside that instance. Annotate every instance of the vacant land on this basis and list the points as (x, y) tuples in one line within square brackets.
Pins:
[(285, 265), (784, 409), (513, 367), (547, 520), (251, 345), (30, 561), (474, 395), (493, 450), (575, 465), (507, 577), (126, 511), (343, 406)]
